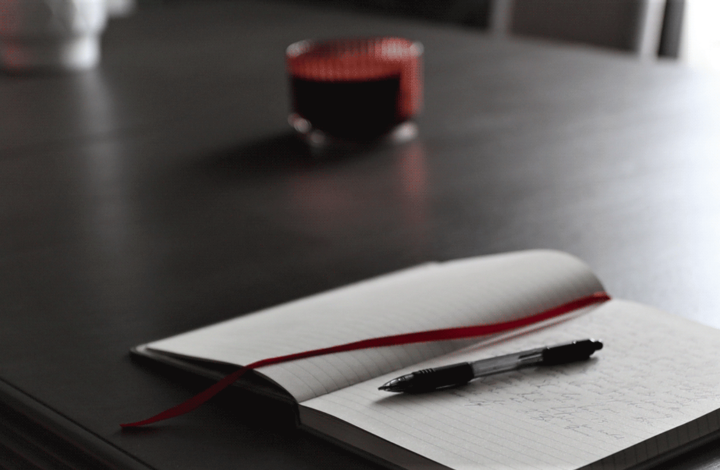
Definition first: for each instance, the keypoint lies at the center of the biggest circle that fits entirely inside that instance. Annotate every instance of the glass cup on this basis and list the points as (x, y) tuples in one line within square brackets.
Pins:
[(51, 34), (354, 90)]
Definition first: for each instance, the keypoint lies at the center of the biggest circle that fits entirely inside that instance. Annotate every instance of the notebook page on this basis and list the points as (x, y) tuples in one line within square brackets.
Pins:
[(443, 295), (656, 373)]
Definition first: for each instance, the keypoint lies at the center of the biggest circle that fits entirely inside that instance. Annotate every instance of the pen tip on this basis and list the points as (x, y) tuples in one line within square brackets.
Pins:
[(392, 386)]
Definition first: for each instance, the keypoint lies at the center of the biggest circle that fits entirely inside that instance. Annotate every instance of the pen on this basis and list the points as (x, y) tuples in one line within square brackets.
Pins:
[(457, 374)]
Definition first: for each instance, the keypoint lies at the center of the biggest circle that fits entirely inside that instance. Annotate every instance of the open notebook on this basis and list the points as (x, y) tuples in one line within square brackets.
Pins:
[(651, 391)]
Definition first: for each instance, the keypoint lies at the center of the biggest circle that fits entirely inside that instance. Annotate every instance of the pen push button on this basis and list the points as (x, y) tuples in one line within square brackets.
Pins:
[(570, 352)]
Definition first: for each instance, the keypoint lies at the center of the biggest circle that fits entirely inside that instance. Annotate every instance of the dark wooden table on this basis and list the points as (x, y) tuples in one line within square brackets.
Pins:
[(164, 191)]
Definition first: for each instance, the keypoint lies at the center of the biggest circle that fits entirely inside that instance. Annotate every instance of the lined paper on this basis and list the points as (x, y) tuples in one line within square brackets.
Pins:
[(631, 402), (441, 295)]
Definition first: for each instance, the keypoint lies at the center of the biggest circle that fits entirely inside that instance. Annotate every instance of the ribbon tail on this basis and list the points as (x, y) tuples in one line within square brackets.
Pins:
[(192, 403)]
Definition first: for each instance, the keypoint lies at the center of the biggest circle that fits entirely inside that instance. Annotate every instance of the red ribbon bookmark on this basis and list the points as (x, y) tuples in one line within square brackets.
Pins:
[(394, 340)]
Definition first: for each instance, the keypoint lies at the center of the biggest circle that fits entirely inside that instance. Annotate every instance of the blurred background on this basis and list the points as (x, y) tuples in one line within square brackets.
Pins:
[(683, 30)]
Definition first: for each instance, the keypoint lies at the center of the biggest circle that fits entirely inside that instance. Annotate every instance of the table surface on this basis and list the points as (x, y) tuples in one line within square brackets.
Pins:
[(164, 191)]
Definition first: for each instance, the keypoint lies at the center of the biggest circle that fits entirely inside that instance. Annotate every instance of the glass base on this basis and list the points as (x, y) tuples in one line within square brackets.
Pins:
[(317, 139)]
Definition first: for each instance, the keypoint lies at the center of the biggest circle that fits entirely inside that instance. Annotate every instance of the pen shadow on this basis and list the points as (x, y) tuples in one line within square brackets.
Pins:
[(536, 376)]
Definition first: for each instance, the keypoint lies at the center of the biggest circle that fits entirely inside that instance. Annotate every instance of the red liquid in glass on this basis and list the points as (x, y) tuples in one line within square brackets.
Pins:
[(349, 109)]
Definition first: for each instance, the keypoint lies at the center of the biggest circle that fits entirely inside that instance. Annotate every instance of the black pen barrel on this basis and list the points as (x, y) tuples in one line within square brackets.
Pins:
[(430, 379)]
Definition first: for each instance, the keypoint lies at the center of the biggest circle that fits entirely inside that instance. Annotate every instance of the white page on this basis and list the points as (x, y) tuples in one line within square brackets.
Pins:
[(459, 293), (656, 372)]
